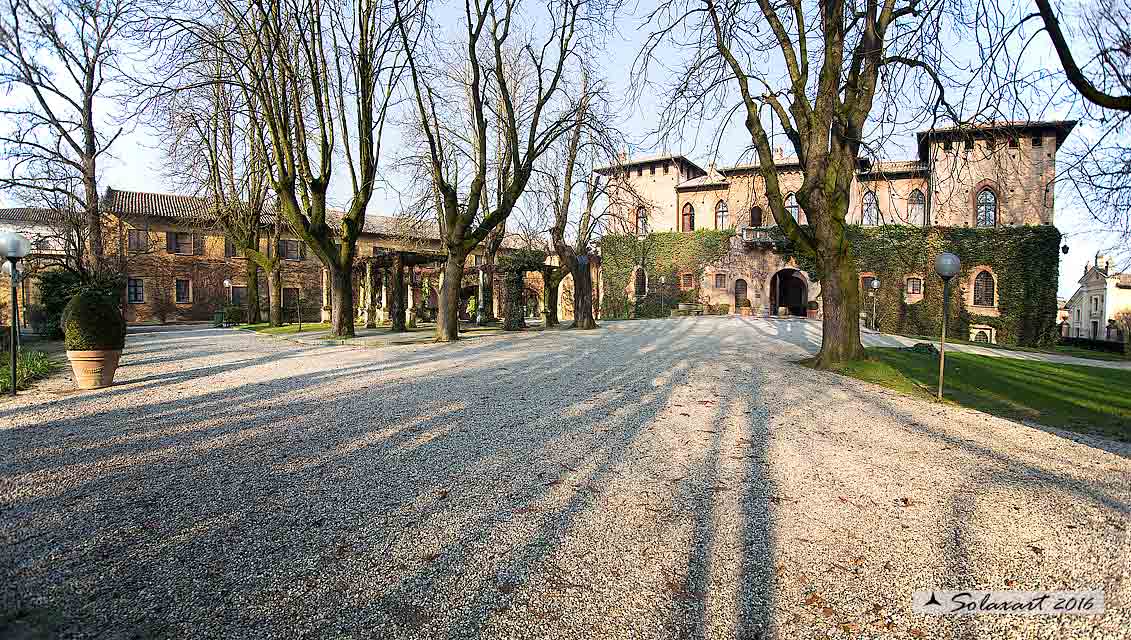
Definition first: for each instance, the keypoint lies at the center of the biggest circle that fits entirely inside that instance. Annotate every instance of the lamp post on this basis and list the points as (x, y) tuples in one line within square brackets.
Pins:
[(875, 294), (663, 282), (947, 266), (14, 248), (19, 276)]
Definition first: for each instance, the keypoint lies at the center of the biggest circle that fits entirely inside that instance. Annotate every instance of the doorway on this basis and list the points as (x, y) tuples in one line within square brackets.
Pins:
[(740, 290), (789, 289)]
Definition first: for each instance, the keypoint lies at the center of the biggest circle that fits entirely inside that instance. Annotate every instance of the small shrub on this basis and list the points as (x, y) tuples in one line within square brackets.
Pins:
[(92, 322), (233, 313), (36, 316), (722, 309), (30, 366), (745, 303)]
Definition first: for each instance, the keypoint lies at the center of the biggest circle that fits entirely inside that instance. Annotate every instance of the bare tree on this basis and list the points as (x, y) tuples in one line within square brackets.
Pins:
[(817, 68), (1100, 70), (530, 116), (60, 59), (320, 76), (591, 144)]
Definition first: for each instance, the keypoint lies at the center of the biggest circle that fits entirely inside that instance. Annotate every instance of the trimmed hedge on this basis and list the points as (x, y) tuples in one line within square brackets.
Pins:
[(92, 322), (1109, 346), (1025, 261)]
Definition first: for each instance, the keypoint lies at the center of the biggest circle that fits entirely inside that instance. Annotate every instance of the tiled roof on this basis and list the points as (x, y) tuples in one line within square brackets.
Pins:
[(162, 205), (30, 215), (631, 162), (195, 209)]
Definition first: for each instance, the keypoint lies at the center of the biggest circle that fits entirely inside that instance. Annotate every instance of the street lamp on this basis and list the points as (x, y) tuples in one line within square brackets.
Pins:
[(663, 282), (14, 248), (947, 266), (875, 294)]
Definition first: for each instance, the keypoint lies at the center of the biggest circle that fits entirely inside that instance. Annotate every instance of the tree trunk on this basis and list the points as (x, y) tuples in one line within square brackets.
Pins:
[(341, 303), (551, 280), (253, 316), (840, 292), (396, 295), (512, 302), (275, 296), (447, 301), (582, 296)]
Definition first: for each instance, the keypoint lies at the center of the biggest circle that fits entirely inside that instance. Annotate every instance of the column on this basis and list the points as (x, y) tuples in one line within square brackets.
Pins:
[(325, 295), (370, 311), (410, 307)]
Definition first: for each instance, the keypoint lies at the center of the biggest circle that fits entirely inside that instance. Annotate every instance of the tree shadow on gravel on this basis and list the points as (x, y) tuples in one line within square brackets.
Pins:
[(445, 504)]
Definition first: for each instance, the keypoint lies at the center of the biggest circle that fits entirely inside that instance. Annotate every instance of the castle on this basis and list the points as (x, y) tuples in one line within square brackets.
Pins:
[(989, 177)]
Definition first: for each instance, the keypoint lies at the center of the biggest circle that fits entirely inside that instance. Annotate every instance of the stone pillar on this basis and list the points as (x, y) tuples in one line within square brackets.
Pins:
[(325, 295), (383, 313), (396, 301), (370, 297)]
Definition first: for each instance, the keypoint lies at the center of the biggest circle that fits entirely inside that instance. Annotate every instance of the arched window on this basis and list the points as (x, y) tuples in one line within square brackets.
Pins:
[(916, 208), (756, 216), (984, 290), (985, 214), (721, 211), (640, 286), (871, 209), (641, 221), (791, 206), (982, 336), (688, 223)]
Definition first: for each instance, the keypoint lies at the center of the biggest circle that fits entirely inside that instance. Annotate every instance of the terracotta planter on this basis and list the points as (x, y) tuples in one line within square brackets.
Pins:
[(94, 369), (745, 311), (811, 313)]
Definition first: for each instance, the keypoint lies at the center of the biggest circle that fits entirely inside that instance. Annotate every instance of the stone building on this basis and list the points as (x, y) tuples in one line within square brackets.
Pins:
[(1101, 307), (179, 266), (991, 176)]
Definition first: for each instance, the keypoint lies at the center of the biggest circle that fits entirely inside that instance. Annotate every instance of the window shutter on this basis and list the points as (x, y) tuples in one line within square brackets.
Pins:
[(171, 241), (301, 250), (197, 244), (279, 249), (229, 248)]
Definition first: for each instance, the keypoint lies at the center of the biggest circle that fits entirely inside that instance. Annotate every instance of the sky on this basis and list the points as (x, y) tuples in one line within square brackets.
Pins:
[(138, 162)]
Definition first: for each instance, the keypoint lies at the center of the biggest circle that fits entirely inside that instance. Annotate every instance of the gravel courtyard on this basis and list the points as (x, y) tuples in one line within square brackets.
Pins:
[(657, 479)]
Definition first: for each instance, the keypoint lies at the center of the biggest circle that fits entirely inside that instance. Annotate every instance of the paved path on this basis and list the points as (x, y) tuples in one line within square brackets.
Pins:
[(647, 480)]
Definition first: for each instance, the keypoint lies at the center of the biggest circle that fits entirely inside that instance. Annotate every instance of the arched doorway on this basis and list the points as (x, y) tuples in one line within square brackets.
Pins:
[(789, 289), (740, 292)]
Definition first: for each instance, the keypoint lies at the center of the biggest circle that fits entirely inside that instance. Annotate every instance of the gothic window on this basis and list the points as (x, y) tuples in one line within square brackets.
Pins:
[(687, 281), (915, 285), (984, 290), (721, 215), (871, 208), (641, 221), (916, 208), (791, 206), (981, 336), (985, 210), (756, 216), (688, 223)]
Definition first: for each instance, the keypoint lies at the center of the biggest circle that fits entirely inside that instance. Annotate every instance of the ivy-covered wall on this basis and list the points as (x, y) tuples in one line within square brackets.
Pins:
[(664, 256), (1025, 261)]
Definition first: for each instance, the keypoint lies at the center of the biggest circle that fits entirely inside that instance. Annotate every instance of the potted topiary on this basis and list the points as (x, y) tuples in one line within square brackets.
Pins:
[(744, 307), (94, 334), (811, 309)]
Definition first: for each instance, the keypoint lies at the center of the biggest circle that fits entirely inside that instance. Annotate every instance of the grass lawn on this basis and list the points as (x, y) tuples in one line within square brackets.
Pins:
[(264, 327), (1060, 349), (1079, 398)]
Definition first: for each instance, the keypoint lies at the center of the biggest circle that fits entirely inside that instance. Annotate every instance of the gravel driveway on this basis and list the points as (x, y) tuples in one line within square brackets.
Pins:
[(660, 479)]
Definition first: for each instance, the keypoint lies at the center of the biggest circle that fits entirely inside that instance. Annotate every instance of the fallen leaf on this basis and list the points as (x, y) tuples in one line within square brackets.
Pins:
[(812, 599), (828, 612), (918, 633)]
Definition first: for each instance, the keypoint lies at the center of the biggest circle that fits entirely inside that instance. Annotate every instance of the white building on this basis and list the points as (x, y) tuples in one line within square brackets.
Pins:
[(1101, 308)]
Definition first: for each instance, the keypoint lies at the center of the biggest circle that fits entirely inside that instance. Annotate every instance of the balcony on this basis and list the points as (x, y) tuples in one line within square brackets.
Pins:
[(758, 236)]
